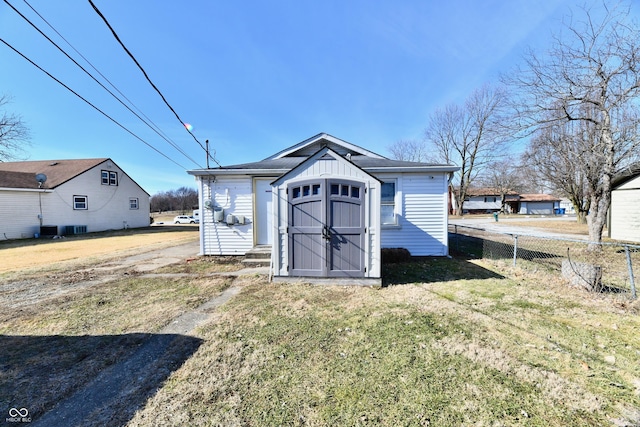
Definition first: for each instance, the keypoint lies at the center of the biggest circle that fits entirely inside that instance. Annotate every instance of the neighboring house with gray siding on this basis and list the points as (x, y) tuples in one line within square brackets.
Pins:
[(624, 214), (488, 200), (78, 196), (538, 204), (325, 207)]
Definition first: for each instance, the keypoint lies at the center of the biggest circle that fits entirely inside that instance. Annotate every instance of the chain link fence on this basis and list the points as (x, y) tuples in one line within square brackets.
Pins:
[(609, 267)]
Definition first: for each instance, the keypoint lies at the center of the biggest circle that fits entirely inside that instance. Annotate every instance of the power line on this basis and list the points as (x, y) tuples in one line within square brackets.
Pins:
[(95, 8), (92, 66), (156, 130), (88, 102)]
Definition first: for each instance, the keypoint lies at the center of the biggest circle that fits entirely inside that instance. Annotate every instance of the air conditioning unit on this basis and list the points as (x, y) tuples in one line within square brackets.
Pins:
[(75, 229)]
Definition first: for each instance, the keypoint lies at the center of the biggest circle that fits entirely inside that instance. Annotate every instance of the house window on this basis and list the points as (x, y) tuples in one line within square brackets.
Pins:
[(80, 203), (490, 199), (133, 203), (388, 203), (109, 178)]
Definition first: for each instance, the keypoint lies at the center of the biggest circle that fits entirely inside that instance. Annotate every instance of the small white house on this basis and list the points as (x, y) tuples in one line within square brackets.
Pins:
[(326, 207), (624, 214), (57, 197)]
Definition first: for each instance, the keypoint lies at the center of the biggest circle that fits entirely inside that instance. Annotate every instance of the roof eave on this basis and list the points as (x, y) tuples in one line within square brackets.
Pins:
[(382, 169), (222, 171)]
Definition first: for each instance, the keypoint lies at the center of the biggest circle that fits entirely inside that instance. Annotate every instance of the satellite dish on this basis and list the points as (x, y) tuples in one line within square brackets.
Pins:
[(41, 178)]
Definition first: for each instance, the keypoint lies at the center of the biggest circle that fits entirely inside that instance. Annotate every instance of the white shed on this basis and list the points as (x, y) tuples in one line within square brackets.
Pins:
[(325, 207), (624, 219)]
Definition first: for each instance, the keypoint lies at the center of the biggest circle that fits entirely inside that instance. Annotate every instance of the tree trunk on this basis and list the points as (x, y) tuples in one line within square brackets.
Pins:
[(596, 221), (581, 216), (459, 202)]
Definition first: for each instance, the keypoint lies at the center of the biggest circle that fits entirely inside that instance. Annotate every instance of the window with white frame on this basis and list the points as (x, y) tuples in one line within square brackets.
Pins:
[(388, 203), (109, 177), (133, 203), (80, 203)]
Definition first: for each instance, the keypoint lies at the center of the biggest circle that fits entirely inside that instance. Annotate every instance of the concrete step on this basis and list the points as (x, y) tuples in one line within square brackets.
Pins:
[(257, 262), (259, 256)]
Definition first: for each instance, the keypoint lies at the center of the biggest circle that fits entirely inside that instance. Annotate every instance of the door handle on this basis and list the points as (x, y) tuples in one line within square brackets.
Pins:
[(326, 234)]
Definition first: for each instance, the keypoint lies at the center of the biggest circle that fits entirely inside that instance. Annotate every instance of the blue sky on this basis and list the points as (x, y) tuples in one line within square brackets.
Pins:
[(255, 77)]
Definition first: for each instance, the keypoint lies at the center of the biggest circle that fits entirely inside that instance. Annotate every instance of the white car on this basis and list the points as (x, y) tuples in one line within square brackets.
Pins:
[(183, 219)]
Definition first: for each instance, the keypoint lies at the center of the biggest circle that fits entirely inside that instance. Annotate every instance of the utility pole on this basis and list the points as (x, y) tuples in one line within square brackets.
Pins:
[(207, 150)]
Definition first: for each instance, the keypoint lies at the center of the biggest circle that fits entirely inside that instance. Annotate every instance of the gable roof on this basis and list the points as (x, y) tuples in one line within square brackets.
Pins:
[(57, 171), (538, 198), (285, 160), (485, 191), (315, 143), (23, 174), (321, 154)]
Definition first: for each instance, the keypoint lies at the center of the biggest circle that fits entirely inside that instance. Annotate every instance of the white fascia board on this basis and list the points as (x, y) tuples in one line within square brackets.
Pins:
[(26, 190), (248, 172), (425, 169)]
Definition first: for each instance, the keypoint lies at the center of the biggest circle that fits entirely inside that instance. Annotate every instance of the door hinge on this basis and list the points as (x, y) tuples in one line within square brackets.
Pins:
[(365, 269), (286, 191), (365, 229)]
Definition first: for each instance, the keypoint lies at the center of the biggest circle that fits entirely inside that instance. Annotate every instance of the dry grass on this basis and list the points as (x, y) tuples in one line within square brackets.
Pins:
[(49, 350), (557, 226), (34, 254), (445, 342), (460, 345)]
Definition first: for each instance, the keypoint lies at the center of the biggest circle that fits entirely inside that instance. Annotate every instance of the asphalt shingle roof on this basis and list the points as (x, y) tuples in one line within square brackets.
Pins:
[(57, 171)]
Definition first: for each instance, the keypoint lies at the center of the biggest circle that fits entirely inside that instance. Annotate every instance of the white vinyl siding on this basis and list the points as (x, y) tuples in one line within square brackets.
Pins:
[(234, 195), (19, 212), (625, 212), (108, 206), (482, 203), (422, 225)]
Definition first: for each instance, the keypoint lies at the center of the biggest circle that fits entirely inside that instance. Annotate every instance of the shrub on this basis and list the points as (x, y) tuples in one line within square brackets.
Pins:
[(395, 255)]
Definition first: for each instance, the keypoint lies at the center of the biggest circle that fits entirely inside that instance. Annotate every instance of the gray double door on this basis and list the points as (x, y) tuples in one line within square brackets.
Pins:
[(326, 228)]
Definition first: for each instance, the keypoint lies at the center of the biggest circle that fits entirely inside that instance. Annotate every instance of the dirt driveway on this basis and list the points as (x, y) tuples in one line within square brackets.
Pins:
[(97, 374), (59, 268)]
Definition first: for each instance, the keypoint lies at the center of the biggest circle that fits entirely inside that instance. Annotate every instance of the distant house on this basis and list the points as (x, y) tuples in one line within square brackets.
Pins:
[(624, 214), (56, 197), (538, 204), (487, 200), (482, 200), (324, 207)]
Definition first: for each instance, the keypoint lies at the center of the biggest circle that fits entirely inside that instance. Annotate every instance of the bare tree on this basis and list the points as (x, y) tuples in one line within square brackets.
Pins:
[(183, 199), (409, 150), (592, 76), (562, 155), (469, 135), (13, 133)]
